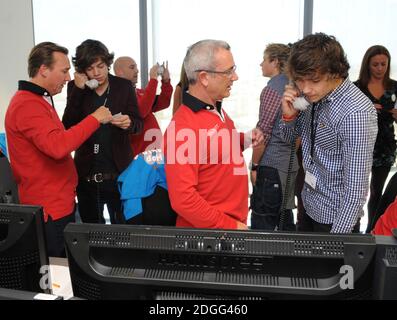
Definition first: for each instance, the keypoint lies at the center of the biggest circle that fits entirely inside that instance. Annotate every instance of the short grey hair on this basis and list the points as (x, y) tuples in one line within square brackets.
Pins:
[(201, 56)]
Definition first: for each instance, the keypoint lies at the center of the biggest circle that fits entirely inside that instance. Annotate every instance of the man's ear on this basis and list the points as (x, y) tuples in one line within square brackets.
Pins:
[(44, 70), (203, 78)]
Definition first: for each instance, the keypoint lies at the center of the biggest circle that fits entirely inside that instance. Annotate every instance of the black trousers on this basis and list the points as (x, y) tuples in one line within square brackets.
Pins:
[(54, 234), (157, 210), (307, 224), (378, 179), (93, 196)]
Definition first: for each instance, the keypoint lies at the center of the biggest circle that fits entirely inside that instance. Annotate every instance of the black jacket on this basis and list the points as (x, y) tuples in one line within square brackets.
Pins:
[(121, 99)]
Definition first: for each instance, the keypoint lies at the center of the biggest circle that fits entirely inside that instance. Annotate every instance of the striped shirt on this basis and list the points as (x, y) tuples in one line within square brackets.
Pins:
[(344, 128)]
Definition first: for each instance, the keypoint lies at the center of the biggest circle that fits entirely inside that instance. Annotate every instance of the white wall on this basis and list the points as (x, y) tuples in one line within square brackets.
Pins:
[(16, 40)]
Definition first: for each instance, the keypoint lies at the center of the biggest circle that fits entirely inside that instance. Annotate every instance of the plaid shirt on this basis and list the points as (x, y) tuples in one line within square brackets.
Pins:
[(269, 106), (345, 129)]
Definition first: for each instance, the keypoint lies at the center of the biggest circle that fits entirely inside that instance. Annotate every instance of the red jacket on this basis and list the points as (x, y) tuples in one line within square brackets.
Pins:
[(206, 192), (39, 149), (148, 103), (387, 221)]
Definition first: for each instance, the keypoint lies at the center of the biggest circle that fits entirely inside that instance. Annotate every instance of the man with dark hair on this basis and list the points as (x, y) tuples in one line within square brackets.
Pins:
[(39, 146), (338, 131), (101, 159)]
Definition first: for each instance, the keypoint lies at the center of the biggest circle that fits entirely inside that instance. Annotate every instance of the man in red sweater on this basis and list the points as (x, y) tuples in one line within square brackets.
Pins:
[(205, 169), (148, 101), (39, 146)]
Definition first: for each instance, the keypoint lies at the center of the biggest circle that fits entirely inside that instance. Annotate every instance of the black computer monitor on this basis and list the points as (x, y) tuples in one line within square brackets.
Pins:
[(8, 186), (143, 262), (22, 247)]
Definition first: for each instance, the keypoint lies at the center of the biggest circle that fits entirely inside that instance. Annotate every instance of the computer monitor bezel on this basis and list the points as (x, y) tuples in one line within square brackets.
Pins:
[(356, 250), (23, 250)]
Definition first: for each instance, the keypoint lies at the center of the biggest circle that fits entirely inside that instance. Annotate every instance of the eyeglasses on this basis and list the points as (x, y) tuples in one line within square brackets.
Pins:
[(229, 72)]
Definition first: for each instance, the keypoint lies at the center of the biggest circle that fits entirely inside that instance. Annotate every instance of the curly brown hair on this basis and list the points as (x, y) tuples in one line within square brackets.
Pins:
[(317, 54), (90, 51)]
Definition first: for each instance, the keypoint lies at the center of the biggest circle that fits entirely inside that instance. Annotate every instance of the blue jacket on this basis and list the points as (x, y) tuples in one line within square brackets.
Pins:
[(3, 144), (139, 181)]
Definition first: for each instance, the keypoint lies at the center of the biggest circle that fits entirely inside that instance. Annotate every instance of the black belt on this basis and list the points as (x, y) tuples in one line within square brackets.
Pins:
[(100, 177)]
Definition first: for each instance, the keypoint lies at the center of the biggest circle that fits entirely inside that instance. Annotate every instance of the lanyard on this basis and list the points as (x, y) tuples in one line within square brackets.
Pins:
[(313, 130)]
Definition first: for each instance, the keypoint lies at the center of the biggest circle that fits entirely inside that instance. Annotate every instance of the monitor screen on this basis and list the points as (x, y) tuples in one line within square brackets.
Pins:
[(144, 262), (22, 247)]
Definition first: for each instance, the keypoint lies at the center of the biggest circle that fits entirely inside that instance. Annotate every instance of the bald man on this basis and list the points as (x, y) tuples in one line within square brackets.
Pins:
[(148, 101)]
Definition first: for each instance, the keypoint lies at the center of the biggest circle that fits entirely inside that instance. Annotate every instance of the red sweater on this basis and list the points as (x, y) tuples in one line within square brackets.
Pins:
[(39, 149), (205, 193), (147, 104), (387, 221)]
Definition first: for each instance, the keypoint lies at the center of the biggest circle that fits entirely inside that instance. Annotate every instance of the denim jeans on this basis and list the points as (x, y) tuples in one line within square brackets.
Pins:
[(266, 201)]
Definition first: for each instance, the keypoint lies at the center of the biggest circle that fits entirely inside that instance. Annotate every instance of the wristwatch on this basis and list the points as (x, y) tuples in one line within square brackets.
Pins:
[(253, 166)]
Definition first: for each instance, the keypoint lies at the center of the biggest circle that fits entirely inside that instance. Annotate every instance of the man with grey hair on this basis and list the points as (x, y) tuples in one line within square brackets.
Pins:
[(205, 169)]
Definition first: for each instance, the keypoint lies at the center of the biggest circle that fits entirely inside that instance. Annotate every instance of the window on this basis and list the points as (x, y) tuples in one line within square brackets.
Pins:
[(68, 23), (358, 25), (247, 26)]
